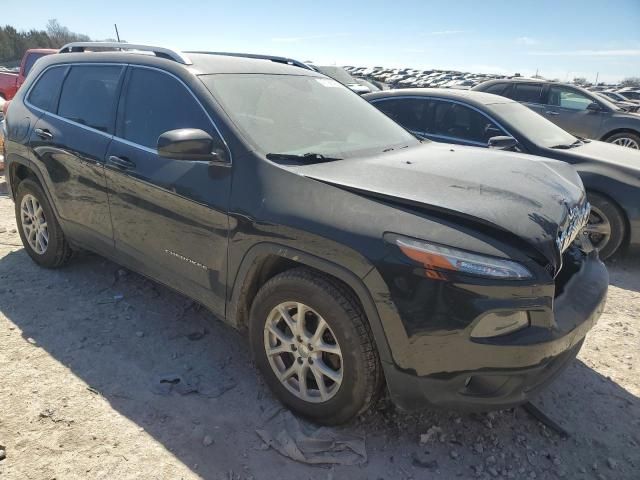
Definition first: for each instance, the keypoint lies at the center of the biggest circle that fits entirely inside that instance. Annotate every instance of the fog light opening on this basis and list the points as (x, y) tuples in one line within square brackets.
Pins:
[(496, 324)]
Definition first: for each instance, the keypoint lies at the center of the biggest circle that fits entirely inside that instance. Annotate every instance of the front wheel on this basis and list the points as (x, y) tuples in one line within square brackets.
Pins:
[(313, 344), (606, 227)]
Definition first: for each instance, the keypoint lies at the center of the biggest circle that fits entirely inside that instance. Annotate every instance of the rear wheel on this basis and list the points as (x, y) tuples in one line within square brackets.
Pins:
[(314, 346), (625, 139), (38, 227), (606, 228)]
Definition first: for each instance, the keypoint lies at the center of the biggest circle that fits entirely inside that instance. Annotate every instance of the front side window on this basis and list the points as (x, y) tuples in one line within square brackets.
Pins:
[(299, 114), (44, 93), (527, 92), (460, 122), (155, 103), (568, 98), (408, 112), (89, 95)]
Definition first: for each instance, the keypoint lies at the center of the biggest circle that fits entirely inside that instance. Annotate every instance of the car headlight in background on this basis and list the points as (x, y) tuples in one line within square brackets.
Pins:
[(438, 257)]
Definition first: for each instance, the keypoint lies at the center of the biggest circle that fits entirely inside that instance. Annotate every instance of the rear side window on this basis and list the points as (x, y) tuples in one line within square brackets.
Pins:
[(89, 96), (408, 112), (457, 121), (45, 92), (527, 92), (155, 103)]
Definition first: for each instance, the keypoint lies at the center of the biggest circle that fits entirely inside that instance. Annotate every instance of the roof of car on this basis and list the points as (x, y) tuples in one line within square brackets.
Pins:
[(468, 96)]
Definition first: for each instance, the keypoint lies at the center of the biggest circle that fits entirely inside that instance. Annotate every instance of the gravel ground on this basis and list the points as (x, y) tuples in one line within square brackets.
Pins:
[(82, 348)]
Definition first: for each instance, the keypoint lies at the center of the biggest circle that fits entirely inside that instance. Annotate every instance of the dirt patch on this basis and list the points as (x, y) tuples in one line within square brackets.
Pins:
[(107, 375)]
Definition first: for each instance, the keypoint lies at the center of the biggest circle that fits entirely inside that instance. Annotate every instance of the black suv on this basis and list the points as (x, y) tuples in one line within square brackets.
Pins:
[(578, 111), (352, 254)]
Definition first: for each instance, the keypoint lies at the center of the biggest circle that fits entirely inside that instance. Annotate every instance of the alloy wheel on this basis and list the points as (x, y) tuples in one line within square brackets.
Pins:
[(598, 228), (34, 224), (303, 352), (626, 142)]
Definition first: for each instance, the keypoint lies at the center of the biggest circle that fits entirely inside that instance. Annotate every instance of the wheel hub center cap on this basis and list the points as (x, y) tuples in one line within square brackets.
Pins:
[(304, 351)]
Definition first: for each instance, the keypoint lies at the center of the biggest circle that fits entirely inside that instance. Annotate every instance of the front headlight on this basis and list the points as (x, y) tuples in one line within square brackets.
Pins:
[(438, 257)]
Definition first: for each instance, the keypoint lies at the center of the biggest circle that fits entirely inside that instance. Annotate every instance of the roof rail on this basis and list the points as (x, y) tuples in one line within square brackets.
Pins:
[(273, 58), (160, 52)]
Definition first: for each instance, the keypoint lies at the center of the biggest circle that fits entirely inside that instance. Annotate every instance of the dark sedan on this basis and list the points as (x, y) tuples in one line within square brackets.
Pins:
[(610, 173)]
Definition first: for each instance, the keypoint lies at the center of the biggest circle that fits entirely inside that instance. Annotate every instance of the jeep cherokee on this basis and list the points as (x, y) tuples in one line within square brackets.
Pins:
[(352, 254)]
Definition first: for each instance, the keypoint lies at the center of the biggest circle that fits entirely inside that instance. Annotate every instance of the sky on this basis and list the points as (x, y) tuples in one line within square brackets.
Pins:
[(560, 39)]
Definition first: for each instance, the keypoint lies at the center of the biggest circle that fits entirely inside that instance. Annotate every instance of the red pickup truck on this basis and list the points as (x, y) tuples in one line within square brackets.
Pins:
[(10, 82)]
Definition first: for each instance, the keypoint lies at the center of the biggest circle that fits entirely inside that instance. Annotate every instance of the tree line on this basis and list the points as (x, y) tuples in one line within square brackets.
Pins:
[(14, 43)]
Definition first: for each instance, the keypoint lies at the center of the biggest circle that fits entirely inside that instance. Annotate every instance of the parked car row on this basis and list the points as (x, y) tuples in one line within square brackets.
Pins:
[(411, 78), (10, 80), (352, 254)]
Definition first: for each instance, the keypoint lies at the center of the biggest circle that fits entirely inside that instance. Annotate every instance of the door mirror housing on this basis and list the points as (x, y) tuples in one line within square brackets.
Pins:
[(594, 107), (190, 144), (502, 142)]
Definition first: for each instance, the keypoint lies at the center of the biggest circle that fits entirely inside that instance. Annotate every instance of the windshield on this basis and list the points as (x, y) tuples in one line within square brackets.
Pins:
[(337, 73), (533, 126), (297, 115)]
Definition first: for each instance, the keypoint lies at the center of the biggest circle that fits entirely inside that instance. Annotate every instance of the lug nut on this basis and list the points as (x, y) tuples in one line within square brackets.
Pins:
[(311, 361), (300, 360), (293, 348)]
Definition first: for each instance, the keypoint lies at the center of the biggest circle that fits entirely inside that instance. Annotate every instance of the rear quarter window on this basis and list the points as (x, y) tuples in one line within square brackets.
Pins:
[(45, 92)]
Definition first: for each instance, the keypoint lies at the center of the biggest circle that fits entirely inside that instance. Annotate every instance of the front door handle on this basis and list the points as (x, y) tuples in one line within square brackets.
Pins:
[(551, 112), (121, 163), (43, 133)]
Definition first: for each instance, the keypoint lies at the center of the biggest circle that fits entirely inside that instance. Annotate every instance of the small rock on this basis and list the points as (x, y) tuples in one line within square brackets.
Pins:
[(419, 460), (431, 434), (453, 454), (207, 440), (491, 460), (13, 230), (32, 341), (612, 463), (139, 334), (3, 453), (492, 471), (478, 448)]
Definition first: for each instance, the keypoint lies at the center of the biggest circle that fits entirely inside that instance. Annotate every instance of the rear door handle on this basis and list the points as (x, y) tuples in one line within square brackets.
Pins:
[(551, 112), (121, 163), (43, 133)]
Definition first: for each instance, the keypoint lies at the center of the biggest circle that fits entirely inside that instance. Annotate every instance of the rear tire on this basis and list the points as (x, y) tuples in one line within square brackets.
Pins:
[(38, 227), (351, 380), (625, 139), (607, 226)]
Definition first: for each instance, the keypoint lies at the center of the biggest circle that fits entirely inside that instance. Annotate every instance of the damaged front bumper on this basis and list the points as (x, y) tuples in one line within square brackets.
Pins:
[(504, 371)]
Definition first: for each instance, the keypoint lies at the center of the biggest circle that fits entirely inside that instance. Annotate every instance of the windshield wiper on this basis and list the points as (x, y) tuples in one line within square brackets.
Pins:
[(577, 143), (306, 157)]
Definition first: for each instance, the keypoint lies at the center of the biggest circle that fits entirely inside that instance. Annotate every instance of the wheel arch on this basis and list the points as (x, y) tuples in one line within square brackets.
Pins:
[(619, 130), (265, 260), (20, 168)]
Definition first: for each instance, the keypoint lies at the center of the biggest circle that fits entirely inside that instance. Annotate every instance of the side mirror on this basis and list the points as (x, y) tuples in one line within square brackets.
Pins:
[(594, 107), (502, 142), (189, 144)]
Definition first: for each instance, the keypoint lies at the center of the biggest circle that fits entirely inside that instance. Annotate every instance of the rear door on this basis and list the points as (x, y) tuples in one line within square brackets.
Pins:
[(567, 108), (169, 216), (531, 94), (69, 143)]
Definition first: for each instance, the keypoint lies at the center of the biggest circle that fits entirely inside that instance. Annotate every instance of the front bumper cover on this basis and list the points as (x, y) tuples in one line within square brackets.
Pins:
[(508, 370)]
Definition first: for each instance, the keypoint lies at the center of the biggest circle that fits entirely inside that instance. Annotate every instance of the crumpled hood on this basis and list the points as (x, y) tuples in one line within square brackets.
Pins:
[(528, 196)]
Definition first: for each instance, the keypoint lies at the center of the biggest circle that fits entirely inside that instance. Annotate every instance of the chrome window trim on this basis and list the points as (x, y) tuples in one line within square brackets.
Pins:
[(114, 137), (440, 99)]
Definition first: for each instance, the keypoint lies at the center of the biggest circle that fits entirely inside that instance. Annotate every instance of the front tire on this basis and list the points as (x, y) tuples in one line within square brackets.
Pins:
[(38, 226), (625, 139), (607, 227), (314, 346)]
